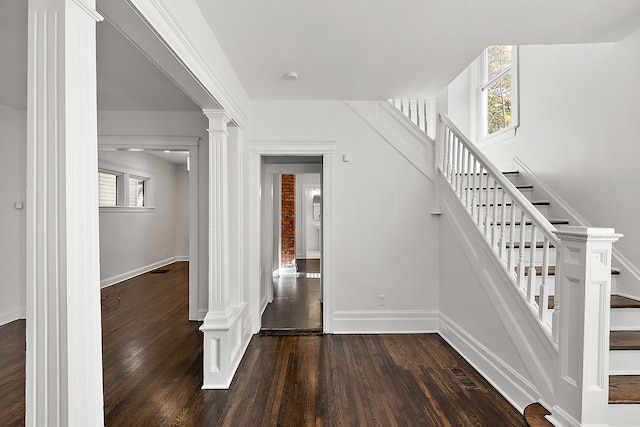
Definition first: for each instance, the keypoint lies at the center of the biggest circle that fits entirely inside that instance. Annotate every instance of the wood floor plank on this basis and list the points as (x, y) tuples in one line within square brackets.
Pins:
[(152, 358)]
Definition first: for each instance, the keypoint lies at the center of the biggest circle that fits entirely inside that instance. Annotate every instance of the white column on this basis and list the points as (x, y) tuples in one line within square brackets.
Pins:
[(222, 325), (582, 304), (64, 356)]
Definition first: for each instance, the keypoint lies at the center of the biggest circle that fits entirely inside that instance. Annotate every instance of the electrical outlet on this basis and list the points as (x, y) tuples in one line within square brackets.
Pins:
[(382, 299)]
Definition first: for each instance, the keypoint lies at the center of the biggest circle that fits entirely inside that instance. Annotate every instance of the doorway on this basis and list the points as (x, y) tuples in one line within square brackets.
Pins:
[(292, 261), (295, 306)]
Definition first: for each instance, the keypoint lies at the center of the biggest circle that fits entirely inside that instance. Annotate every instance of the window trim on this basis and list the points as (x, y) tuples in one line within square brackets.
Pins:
[(124, 173), (478, 110)]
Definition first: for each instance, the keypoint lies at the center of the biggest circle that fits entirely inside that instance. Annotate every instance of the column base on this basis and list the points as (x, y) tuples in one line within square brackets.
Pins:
[(226, 337)]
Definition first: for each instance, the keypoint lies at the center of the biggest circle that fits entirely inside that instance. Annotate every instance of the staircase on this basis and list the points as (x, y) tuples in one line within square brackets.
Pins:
[(624, 354), (583, 320)]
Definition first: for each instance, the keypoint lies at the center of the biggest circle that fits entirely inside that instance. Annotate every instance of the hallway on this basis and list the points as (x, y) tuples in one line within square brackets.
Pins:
[(296, 306)]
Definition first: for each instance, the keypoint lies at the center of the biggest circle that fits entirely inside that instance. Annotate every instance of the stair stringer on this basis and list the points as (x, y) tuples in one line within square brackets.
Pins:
[(533, 345), (628, 282), (399, 132)]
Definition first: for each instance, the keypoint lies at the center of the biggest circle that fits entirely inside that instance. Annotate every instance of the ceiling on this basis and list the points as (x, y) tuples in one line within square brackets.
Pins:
[(341, 49), (175, 157), (378, 49), (127, 80)]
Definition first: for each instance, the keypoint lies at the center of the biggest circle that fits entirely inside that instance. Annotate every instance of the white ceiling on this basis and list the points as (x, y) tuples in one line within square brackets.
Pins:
[(341, 49), (378, 49), (127, 80)]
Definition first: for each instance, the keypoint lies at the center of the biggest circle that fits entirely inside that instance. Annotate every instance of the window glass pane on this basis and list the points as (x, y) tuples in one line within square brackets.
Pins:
[(498, 60), (136, 192), (498, 103), (107, 189)]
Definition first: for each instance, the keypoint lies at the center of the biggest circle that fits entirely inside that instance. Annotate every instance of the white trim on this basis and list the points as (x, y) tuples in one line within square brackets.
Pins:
[(110, 281), (299, 147), (419, 158), (508, 382), (126, 209), (627, 266), (89, 10), (404, 121), (12, 316), (145, 142), (176, 39), (385, 321)]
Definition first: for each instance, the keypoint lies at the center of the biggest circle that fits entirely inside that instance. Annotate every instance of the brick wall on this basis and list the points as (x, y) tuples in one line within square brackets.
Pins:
[(288, 250)]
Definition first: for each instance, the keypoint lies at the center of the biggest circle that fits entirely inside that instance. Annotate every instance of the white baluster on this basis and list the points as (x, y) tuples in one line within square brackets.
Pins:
[(474, 198), (487, 223), (461, 169), (469, 203), (543, 302), (495, 216), (520, 275), (531, 277), (503, 216), (512, 235), (480, 194)]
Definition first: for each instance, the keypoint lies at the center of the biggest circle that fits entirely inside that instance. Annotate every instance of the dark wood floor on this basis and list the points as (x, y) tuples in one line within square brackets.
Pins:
[(153, 369), (296, 303)]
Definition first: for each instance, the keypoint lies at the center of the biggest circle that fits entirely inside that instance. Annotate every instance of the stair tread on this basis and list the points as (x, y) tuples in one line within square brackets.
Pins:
[(624, 340), (552, 221), (534, 203), (624, 389), (618, 301), (519, 187), (516, 245)]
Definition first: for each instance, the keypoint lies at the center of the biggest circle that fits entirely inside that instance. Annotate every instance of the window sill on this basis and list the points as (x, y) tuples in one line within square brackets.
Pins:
[(127, 209), (497, 137)]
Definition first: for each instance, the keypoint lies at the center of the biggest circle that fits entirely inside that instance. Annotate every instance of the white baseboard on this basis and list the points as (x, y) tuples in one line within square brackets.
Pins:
[(509, 383), (182, 257), (200, 315), (385, 321), (138, 271), (12, 316)]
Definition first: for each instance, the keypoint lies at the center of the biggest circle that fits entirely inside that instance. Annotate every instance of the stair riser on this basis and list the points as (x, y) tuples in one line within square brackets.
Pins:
[(625, 319), (624, 362)]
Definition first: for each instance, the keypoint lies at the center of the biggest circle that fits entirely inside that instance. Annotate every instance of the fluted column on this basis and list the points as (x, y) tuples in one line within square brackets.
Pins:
[(64, 356), (222, 327)]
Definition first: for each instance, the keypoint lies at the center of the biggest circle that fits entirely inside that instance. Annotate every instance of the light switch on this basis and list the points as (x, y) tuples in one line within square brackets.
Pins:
[(18, 205)]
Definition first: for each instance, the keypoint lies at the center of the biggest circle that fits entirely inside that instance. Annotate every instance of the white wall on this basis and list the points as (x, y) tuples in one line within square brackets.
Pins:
[(307, 237), (182, 212), (131, 241), (172, 124), (579, 130), (385, 240), (12, 221)]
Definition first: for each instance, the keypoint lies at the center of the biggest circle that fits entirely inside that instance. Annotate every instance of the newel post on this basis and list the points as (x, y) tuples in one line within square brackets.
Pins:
[(582, 299)]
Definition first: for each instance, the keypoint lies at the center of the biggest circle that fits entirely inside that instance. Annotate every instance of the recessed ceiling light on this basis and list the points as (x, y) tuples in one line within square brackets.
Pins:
[(292, 76), (167, 151)]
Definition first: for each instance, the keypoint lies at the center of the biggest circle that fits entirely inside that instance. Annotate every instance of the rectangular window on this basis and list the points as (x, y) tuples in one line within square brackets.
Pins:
[(497, 90), (136, 192), (123, 189), (107, 189)]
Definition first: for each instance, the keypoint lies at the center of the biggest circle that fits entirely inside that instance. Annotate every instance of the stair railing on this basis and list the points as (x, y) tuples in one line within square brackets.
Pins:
[(501, 212), (420, 111)]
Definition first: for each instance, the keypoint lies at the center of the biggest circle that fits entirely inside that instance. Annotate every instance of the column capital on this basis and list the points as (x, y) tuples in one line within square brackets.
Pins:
[(218, 119), (580, 233)]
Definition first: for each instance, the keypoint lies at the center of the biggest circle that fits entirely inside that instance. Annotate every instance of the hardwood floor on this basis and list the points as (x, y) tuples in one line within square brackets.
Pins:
[(152, 360), (296, 303), (12, 375)]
